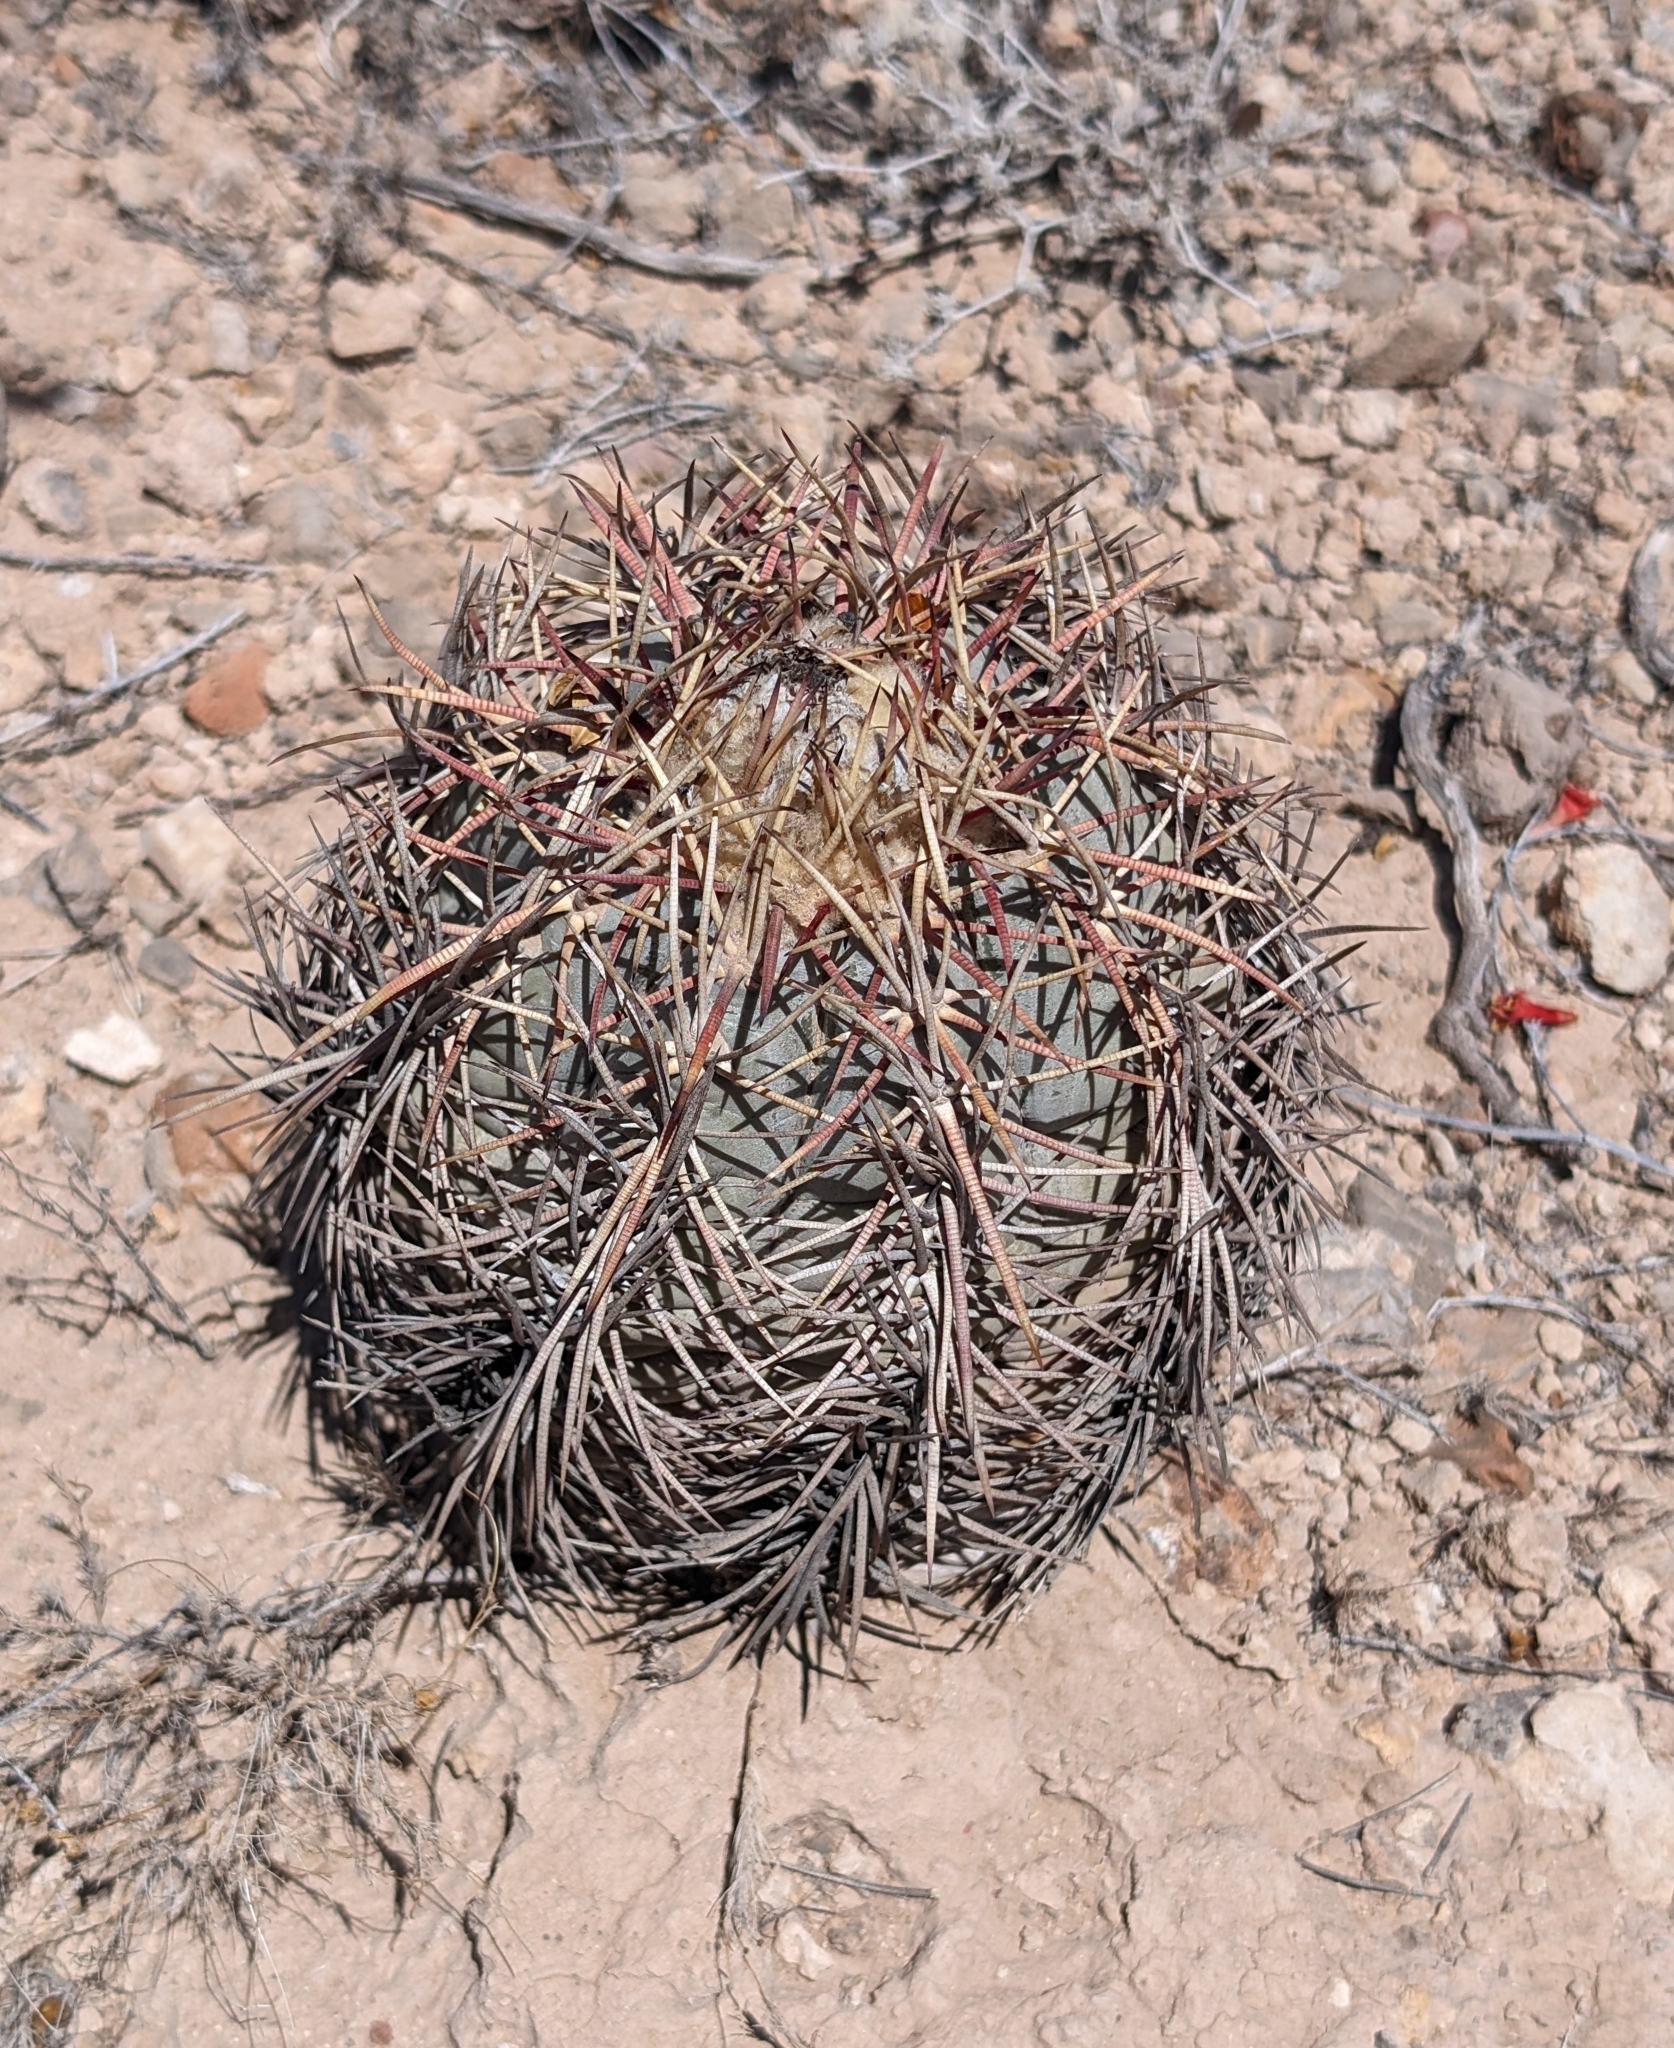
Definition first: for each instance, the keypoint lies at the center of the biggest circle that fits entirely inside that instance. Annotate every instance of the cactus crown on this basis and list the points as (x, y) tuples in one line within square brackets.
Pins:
[(799, 1065)]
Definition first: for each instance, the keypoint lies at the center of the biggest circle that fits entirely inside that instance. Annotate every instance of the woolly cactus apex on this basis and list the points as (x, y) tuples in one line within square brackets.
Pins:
[(798, 1066)]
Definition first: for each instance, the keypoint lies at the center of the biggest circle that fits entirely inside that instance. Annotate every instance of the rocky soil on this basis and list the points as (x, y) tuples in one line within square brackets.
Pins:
[(1373, 1743)]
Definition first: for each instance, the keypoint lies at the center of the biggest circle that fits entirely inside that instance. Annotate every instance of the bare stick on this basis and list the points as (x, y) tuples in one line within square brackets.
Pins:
[(1455, 1025), (158, 665), (133, 565), (465, 197), (1517, 1133)]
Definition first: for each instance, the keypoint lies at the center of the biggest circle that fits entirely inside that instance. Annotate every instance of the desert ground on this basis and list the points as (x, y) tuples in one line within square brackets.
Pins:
[(1363, 319)]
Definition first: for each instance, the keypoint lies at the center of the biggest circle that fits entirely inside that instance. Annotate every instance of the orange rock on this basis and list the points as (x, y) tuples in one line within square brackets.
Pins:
[(210, 1144), (227, 698)]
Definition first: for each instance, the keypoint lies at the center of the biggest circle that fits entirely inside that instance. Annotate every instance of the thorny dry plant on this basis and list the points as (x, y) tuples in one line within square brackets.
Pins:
[(111, 1275), (190, 1772), (800, 1066)]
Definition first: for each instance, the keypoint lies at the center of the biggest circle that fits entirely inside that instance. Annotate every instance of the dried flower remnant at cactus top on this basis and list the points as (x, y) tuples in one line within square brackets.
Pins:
[(799, 1065)]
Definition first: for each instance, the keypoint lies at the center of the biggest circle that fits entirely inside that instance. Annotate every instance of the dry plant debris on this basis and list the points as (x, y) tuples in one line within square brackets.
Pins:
[(185, 1773)]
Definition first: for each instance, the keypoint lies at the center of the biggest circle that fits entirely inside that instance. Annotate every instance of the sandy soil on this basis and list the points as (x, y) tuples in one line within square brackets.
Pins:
[(1373, 1750)]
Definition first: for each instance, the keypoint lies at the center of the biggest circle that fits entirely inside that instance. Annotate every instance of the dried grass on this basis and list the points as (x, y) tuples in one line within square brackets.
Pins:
[(188, 1772)]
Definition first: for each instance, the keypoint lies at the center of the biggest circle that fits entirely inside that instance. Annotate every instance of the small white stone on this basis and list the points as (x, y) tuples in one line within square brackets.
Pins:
[(1373, 419), (1628, 1592), (1612, 907), (118, 1050), (171, 1511), (241, 1482)]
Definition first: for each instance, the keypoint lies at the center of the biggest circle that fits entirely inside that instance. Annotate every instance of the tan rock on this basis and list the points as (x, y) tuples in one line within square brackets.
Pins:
[(191, 849), (364, 321), (1427, 342), (1576, 1632), (1629, 1594), (1456, 88), (194, 460), (1221, 491), (1428, 167), (1588, 1742), (52, 496)]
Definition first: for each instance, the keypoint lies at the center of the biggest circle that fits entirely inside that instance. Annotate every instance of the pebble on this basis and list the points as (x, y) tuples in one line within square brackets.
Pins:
[(1309, 442), (78, 878), (193, 463), (302, 525), (368, 320), (1592, 1729), (1428, 168), (1372, 419), (1575, 1631), (118, 1050), (1628, 1592), (1650, 602), (227, 340), (52, 496), (191, 849), (1408, 1434), (1534, 407), (1514, 748), (1429, 342), (226, 696), (1524, 1548), (1457, 90), (1221, 491), (1487, 496), (1611, 907), (1380, 180), (167, 963), (1561, 1340), (70, 1120), (241, 1482)]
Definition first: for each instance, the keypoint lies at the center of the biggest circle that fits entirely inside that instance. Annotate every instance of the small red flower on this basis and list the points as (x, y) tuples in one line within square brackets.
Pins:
[(1574, 803), (1515, 1007)]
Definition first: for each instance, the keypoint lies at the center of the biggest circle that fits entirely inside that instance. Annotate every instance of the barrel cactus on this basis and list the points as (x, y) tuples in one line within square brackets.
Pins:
[(801, 1064)]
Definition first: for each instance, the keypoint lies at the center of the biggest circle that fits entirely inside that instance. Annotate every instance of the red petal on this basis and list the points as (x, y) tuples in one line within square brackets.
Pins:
[(1574, 803), (1517, 1007)]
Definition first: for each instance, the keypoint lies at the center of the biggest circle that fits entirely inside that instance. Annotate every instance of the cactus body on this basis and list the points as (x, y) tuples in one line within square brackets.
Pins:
[(800, 1065)]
